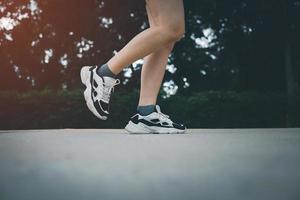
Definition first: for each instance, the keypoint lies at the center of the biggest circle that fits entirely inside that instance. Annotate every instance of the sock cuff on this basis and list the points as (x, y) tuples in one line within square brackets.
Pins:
[(146, 110), (104, 70)]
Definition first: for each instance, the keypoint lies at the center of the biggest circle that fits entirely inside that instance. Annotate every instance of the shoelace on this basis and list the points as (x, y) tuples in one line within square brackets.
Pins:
[(108, 89), (163, 117)]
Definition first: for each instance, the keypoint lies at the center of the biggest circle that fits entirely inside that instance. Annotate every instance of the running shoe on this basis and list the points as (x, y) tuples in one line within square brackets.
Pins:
[(155, 123), (98, 91)]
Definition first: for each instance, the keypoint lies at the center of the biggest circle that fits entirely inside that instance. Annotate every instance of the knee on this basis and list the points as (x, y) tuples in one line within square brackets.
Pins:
[(169, 47), (174, 32)]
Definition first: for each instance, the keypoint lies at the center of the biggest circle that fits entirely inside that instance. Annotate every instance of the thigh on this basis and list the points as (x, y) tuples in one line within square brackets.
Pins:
[(152, 18), (154, 21), (165, 12)]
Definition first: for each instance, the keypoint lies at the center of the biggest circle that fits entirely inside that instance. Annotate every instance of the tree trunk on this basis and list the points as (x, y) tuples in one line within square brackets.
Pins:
[(290, 83), (290, 80)]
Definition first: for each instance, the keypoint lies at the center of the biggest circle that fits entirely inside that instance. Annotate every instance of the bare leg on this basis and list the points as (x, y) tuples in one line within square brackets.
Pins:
[(170, 17), (152, 75), (153, 70)]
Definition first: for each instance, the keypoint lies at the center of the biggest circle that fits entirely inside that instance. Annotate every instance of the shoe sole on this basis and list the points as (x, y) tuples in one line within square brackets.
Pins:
[(133, 128), (85, 74)]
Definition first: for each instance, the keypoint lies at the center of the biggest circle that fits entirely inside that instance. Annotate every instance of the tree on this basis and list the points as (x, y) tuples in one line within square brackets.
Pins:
[(237, 44)]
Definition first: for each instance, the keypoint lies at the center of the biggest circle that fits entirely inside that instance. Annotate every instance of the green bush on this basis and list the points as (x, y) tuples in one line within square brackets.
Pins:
[(210, 109)]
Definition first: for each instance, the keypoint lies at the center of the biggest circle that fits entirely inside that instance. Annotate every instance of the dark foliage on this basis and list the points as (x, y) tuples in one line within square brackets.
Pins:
[(210, 109), (251, 45)]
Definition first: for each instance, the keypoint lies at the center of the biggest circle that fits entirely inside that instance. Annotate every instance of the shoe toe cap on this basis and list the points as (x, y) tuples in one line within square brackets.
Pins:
[(179, 126)]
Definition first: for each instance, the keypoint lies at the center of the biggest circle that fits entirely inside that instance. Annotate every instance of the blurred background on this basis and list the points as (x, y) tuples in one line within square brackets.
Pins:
[(237, 67)]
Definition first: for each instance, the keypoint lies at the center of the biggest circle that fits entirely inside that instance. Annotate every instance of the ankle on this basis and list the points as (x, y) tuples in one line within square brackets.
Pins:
[(146, 110), (104, 70)]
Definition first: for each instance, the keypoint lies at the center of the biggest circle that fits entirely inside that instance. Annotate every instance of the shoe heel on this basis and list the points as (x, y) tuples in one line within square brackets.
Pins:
[(89, 103), (84, 74), (136, 129)]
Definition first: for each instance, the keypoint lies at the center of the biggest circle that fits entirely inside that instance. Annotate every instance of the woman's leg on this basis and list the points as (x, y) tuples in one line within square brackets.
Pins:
[(153, 69), (148, 119), (152, 75), (169, 15)]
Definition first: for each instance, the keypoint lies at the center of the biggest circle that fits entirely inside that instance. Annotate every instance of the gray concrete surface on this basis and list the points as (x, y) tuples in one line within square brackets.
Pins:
[(205, 164)]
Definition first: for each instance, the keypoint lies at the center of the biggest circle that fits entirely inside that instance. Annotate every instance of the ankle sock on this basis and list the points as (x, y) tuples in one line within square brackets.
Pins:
[(105, 71), (145, 110)]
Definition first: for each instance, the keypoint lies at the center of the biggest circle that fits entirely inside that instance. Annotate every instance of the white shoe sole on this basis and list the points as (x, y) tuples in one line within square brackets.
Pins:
[(85, 75), (133, 128)]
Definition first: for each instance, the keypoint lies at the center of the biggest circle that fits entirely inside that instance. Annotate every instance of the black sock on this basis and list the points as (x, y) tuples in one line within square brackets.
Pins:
[(105, 71), (145, 110)]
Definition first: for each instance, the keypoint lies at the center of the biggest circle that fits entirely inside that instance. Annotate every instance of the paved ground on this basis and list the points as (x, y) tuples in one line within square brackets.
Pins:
[(257, 164)]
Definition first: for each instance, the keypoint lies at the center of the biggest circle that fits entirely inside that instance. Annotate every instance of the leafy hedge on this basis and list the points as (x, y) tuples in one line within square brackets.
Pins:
[(210, 109)]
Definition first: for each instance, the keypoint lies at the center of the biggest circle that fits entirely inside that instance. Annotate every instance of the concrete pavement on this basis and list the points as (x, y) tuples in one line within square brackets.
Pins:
[(208, 164)]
